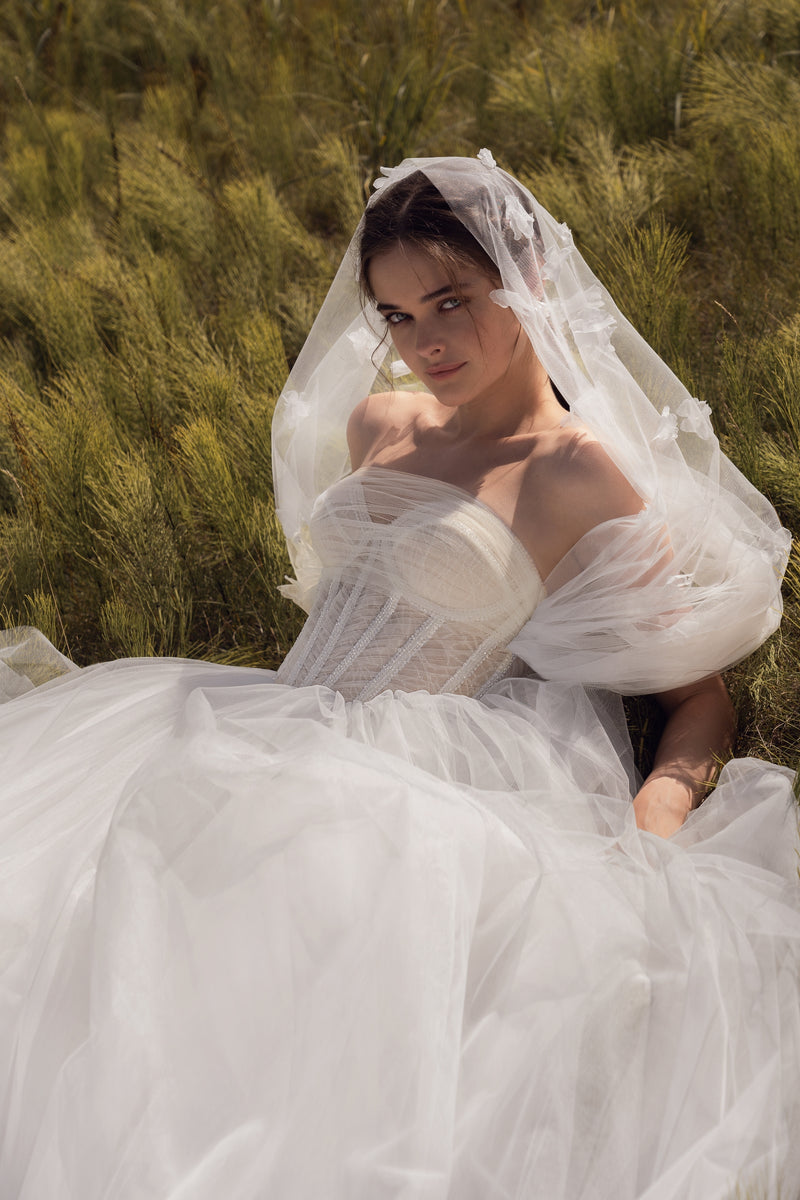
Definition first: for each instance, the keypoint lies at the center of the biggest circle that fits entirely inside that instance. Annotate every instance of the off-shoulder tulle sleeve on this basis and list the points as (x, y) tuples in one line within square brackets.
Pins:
[(624, 611)]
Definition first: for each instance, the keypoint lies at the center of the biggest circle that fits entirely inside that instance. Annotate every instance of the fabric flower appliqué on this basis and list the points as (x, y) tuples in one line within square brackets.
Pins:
[(695, 416), (558, 252), (589, 314), (389, 175), (364, 341), (522, 223), (295, 409), (554, 259), (528, 309), (565, 234), (383, 179), (487, 158), (526, 305), (667, 428)]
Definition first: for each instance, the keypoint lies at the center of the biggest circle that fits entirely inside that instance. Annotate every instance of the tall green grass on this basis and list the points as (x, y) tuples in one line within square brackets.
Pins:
[(177, 184)]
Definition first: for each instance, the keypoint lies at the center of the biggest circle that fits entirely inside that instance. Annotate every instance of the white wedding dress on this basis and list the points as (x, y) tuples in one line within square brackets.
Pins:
[(381, 924)]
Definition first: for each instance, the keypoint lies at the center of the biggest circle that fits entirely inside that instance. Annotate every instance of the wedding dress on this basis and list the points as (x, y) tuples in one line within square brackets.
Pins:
[(381, 924)]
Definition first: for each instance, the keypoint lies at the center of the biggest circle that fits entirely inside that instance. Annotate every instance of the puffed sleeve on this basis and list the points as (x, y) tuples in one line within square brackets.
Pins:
[(625, 611)]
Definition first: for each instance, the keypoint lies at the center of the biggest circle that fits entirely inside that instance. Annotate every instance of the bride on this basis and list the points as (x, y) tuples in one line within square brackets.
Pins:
[(400, 920)]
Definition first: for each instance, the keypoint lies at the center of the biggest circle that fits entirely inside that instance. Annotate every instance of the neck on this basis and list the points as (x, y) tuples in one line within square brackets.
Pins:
[(523, 403)]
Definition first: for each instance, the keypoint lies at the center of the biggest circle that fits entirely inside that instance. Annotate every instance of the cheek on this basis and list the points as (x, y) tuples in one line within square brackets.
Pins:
[(501, 334), (398, 333), (512, 326), (517, 338)]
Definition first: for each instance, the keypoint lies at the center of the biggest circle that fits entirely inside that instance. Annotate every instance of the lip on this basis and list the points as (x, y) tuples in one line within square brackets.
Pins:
[(445, 370)]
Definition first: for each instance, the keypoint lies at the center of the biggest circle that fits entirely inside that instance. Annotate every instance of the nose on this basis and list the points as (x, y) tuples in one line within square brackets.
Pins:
[(429, 339)]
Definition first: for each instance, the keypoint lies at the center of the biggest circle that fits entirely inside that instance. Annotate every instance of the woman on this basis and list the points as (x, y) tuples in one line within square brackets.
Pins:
[(495, 428), (384, 924)]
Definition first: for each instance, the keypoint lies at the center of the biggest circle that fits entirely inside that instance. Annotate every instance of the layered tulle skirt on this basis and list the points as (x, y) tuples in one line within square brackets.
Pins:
[(257, 941)]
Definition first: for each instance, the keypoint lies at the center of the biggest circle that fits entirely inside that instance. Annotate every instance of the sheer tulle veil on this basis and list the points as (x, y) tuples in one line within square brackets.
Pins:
[(689, 586)]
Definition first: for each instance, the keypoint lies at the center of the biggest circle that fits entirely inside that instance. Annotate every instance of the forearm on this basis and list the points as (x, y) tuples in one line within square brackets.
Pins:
[(699, 733)]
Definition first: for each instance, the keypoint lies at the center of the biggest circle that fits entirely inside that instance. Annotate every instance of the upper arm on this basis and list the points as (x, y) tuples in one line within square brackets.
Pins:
[(710, 690), (366, 424), (600, 492), (357, 433), (379, 420), (583, 489)]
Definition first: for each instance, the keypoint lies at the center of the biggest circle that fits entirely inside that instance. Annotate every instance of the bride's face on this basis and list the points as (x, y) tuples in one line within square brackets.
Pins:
[(455, 339)]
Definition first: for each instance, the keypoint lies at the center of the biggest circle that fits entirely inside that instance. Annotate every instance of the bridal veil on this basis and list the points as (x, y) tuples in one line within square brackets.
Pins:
[(686, 588)]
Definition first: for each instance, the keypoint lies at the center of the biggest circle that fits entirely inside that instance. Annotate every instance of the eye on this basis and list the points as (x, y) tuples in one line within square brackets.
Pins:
[(396, 318), (450, 303)]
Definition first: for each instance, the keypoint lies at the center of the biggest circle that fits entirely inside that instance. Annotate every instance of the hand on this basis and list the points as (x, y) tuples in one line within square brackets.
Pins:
[(663, 803)]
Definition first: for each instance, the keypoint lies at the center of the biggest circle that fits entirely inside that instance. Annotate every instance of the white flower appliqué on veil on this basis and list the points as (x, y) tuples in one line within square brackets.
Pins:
[(295, 409), (667, 428), (522, 223), (364, 341), (695, 417)]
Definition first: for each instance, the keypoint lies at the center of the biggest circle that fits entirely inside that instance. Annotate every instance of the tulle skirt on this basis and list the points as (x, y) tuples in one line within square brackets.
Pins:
[(257, 941)]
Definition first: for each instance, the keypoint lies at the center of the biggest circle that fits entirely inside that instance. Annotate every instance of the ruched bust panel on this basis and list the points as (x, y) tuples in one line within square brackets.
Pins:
[(422, 587)]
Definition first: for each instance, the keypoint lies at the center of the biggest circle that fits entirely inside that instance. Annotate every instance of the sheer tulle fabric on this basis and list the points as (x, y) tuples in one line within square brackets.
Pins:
[(26, 660), (728, 550), (260, 938), (618, 614)]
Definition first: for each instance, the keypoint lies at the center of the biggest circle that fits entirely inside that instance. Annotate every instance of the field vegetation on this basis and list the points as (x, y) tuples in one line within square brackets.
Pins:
[(178, 180)]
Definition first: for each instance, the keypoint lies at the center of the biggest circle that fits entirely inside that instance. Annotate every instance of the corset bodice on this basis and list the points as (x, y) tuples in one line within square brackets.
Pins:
[(422, 586)]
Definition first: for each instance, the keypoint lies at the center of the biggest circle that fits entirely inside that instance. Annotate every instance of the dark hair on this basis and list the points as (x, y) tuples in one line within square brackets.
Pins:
[(415, 212)]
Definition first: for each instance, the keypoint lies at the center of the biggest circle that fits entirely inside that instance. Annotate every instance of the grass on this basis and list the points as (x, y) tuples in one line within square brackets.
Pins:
[(179, 181)]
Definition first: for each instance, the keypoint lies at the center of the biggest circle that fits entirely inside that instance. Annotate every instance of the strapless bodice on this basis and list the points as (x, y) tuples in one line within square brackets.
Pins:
[(422, 586)]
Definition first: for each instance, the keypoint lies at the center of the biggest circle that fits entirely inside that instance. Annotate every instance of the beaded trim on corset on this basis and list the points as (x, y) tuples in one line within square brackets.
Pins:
[(422, 587)]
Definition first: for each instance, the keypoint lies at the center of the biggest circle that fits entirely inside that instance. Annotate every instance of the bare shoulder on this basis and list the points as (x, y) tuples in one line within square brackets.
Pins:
[(377, 416), (580, 486), (592, 479)]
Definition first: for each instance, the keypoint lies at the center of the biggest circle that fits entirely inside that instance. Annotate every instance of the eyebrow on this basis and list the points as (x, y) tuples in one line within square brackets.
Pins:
[(442, 291)]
